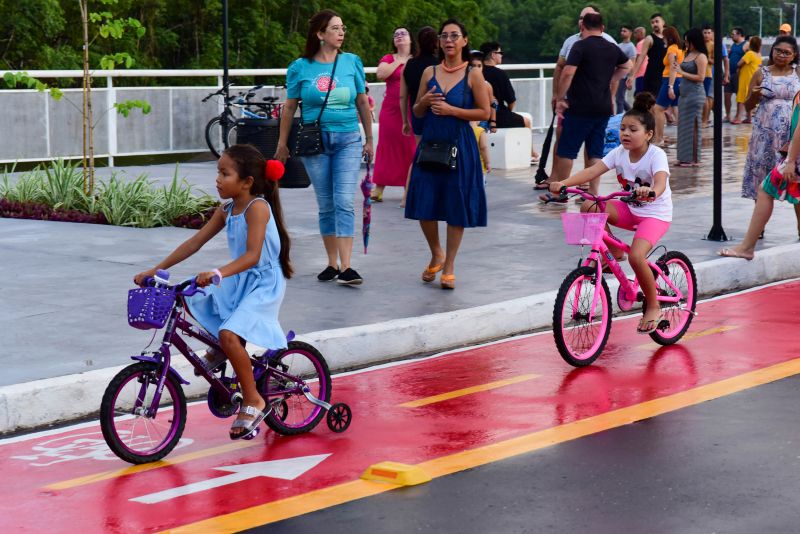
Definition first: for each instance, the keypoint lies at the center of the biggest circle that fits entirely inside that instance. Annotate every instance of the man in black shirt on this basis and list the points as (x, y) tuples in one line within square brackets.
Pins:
[(584, 96), (502, 88)]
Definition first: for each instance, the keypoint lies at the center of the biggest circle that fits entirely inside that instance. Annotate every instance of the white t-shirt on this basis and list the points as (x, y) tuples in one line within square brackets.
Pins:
[(653, 161), (572, 39)]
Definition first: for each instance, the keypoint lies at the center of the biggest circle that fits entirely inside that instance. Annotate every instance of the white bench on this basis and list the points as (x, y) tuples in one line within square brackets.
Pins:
[(510, 148)]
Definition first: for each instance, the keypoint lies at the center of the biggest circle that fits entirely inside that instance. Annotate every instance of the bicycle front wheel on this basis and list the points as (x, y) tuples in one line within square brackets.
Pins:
[(130, 429), (580, 334), (679, 315), (217, 132), (292, 413)]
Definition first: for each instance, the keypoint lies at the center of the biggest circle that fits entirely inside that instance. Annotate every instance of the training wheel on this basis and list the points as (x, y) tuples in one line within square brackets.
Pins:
[(339, 417)]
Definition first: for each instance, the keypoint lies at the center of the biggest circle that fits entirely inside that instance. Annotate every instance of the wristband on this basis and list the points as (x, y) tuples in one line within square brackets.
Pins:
[(219, 274)]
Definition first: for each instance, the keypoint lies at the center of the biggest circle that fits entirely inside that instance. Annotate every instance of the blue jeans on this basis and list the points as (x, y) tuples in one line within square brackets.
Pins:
[(334, 174)]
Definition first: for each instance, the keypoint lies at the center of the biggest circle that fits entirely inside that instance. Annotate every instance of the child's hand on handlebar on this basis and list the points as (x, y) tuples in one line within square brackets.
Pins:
[(555, 187), (643, 194), (139, 278), (206, 278)]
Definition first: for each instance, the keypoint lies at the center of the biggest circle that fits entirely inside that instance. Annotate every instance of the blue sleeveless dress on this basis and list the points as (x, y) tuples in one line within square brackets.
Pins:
[(457, 197), (247, 303)]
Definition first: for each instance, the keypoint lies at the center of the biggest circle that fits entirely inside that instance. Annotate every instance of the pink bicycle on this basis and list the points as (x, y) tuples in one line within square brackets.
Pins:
[(582, 313)]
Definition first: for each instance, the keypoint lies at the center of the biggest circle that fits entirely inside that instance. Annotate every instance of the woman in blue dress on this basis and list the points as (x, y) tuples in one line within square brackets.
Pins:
[(244, 305), (450, 96)]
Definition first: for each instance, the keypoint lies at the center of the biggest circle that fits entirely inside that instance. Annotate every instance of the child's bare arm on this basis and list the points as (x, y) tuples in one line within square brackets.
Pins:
[(190, 246), (483, 145)]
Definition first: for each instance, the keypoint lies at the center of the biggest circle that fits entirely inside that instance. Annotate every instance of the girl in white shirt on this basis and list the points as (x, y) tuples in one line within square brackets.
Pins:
[(644, 168)]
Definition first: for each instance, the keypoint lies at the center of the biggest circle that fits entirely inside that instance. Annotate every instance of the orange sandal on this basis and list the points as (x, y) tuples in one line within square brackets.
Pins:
[(448, 281), (429, 274)]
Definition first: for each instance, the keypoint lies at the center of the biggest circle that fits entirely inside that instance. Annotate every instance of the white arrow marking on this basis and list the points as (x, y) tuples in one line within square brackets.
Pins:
[(287, 469)]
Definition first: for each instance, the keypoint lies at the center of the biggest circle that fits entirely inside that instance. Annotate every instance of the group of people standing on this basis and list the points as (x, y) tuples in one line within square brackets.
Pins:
[(433, 97)]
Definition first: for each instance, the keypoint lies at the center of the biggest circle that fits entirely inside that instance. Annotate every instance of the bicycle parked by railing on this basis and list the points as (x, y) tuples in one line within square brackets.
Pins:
[(221, 130), (143, 411), (582, 312)]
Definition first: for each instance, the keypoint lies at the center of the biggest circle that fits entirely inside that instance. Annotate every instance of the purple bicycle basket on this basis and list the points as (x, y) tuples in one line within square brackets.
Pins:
[(149, 307)]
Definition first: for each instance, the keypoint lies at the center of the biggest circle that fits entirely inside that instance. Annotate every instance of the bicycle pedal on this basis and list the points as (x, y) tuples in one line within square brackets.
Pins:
[(253, 434)]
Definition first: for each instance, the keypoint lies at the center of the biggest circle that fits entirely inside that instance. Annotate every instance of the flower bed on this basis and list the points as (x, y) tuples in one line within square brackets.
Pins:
[(56, 193)]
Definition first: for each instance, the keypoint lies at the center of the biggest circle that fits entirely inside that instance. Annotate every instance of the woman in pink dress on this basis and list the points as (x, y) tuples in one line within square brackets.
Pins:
[(395, 150)]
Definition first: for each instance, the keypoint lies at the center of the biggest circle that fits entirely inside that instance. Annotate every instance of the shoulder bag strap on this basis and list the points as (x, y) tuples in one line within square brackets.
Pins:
[(466, 83), (330, 86)]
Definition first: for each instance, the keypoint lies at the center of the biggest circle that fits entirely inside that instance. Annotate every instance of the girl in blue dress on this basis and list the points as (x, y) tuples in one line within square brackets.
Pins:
[(450, 96), (244, 305)]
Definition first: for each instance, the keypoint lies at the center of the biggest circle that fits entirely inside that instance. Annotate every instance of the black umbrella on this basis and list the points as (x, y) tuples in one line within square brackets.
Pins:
[(541, 174)]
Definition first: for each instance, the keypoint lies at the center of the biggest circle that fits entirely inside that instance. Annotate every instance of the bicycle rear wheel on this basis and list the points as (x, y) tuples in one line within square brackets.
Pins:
[(130, 430), (217, 135), (679, 315), (579, 339), (292, 412)]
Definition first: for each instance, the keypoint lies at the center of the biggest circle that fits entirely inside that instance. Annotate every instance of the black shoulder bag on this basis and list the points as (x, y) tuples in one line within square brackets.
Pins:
[(441, 156), (309, 135)]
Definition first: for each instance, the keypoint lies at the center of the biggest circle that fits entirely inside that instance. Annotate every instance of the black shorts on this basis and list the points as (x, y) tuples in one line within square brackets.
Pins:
[(508, 119)]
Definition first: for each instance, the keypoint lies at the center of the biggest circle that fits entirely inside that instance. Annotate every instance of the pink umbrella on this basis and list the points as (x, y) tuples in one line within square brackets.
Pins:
[(366, 189)]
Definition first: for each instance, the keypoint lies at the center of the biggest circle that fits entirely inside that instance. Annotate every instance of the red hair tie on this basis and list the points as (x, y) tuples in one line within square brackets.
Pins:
[(273, 170)]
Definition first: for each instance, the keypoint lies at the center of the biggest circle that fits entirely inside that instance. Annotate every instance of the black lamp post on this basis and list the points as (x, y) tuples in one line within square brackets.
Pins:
[(717, 233), (225, 47)]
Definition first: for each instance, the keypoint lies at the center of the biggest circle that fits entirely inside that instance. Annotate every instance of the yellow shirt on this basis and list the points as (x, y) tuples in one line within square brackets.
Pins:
[(710, 66), (673, 49)]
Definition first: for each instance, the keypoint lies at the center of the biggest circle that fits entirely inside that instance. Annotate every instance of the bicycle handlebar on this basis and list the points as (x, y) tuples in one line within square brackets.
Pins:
[(180, 289), (625, 196)]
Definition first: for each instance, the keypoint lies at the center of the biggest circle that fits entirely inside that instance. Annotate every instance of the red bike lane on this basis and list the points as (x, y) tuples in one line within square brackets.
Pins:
[(445, 413)]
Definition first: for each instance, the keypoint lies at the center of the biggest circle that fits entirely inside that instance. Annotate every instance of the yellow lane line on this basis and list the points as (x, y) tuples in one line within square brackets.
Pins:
[(107, 475), (467, 391), (446, 465), (693, 335)]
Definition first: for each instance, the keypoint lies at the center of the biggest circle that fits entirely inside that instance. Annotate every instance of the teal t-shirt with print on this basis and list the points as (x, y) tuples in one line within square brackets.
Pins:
[(308, 81)]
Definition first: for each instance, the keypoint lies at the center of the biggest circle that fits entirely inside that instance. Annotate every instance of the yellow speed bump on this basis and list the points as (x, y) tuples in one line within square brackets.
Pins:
[(396, 473)]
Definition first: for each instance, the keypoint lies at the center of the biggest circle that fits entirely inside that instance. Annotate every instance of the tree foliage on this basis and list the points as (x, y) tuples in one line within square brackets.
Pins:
[(186, 34)]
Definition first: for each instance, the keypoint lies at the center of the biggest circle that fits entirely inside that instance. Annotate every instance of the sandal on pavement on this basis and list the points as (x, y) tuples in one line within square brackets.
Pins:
[(250, 426), (429, 274), (448, 281), (736, 121), (378, 197), (648, 327), (542, 186), (549, 198), (731, 253)]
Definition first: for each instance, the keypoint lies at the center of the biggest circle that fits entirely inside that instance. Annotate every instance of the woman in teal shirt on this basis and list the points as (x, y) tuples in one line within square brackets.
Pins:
[(334, 172)]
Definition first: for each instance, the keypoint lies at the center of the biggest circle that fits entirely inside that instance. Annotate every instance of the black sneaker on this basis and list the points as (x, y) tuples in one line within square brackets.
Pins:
[(328, 274), (349, 277)]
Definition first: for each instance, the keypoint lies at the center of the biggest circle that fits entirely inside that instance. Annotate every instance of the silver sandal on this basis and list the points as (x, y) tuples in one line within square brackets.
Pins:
[(250, 425), (212, 359)]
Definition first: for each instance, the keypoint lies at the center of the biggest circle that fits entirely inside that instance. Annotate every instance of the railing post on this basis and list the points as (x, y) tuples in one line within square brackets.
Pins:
[(543, 97), (111, 98)]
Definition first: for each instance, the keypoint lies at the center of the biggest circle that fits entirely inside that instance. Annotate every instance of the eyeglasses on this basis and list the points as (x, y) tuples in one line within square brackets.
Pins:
[(400, 33), (450, 36), (783, 52), (337, 29)]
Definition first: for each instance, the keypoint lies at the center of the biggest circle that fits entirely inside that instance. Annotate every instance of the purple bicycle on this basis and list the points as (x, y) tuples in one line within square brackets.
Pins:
[(143, 411), (582, 313)]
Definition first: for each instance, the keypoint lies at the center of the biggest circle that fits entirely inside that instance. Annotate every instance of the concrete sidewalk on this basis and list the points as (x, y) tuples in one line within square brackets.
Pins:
[(63, 309)]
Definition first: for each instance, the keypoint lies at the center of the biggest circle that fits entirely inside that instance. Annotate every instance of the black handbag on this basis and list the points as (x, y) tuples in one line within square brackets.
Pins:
[(440, 156), (309, 135)]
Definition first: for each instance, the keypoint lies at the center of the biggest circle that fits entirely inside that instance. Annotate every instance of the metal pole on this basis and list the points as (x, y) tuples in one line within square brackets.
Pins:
[(691, 13), (717, 233), (780, 15), (225, 47), (760, 17)]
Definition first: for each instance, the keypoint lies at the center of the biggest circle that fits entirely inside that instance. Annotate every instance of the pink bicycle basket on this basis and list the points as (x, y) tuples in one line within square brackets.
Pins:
[(583, 228)]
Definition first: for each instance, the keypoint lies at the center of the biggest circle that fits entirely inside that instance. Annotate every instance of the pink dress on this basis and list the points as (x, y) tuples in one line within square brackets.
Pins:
[(395, 151)]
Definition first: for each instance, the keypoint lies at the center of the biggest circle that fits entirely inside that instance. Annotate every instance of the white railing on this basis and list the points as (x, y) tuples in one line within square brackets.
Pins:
[(40, 128)]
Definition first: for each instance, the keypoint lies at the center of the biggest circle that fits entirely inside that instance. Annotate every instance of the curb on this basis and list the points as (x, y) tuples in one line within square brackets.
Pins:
[(53, 400)]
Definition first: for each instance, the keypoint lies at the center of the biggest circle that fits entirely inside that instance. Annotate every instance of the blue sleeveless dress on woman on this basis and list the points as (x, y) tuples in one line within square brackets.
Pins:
[(247, 303), (457, 197)]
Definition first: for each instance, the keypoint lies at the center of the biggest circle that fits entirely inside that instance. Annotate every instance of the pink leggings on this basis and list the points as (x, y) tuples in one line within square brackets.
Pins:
[(647, 228)]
